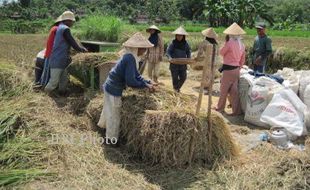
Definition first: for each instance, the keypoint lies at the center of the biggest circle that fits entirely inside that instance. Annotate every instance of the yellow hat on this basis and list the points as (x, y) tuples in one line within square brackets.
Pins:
[(210, 33), (234, 29), (154, 28), (138, 41), (67, 15), (180, 31)]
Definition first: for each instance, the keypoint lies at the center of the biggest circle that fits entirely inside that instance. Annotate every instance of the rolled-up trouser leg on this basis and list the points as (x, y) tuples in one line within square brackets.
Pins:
[(234, 94), (54, 80), (38, 69), (105, 111), (175, 78), (224, 89), (150, 69), (112, 116), (156, 70), (182, 77), (63, 82)]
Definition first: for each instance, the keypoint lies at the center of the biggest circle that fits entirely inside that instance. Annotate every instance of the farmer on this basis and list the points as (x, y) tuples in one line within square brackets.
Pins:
[(155, 54), (210, 39), (123, 74), (39, 64), (261, 49), (233, 54), (179, 48), (60, 58), (49, 47)]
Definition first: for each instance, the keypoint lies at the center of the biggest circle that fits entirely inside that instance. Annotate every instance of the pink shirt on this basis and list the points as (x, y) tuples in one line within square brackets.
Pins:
[(232, 53)]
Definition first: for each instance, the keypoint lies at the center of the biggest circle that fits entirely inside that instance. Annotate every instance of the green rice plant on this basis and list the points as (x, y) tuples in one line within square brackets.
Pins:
[(100, 27), (22, 153), (8, 126), (15, 177)]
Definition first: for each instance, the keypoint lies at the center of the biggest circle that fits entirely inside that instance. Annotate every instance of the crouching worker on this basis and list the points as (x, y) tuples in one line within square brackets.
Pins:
[(39, 64), (123, 74), (60, 57)]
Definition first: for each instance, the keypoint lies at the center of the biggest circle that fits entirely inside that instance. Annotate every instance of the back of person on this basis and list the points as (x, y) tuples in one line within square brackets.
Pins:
[(234, 52), (60, 54)]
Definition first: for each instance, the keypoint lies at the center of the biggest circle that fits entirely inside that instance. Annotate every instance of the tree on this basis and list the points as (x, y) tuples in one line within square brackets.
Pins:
[(191, 9), (24, 3), (244, 12), (165, 10)]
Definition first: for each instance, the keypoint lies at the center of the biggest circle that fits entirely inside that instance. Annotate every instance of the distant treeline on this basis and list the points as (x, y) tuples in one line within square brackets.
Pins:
[(281, 14)]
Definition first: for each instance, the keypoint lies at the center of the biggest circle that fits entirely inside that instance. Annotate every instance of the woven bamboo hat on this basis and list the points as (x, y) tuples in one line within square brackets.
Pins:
[(67, 15), (138, 41), (180, 31), (234, 29), (154, 28), (210, 33)]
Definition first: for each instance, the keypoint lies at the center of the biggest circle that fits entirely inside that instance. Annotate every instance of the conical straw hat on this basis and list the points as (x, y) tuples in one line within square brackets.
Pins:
[(210, 33), (138, 41), (234, 29), (153, 27), (180, 31), (67, 15)]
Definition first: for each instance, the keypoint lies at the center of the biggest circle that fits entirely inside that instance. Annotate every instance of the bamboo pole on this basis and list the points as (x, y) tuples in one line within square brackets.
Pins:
[(204, 74), (210, 92)]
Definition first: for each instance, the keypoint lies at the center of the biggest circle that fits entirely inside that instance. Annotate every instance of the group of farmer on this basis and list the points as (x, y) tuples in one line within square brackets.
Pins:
[(51, 64), (126, 72)]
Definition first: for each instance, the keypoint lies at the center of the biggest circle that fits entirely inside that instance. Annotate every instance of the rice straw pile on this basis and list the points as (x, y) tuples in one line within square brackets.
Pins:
[(83, 63), (162, 129)]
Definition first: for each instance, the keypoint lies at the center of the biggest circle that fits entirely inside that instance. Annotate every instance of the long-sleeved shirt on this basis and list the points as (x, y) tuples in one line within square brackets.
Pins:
[(232, 53), (123, 74), (262, 47), (173, 52)]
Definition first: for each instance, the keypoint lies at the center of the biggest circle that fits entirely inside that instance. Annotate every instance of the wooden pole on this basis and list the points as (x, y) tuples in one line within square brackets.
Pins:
[(204, 74), (210, 92), (92, 77)]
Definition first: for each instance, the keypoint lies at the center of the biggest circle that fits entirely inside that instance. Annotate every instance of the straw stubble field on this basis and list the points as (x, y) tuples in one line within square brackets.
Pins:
[(30, 118)]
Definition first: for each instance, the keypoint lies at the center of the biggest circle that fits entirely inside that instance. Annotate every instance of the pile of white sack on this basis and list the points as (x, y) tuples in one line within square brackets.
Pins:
[(267, 103)]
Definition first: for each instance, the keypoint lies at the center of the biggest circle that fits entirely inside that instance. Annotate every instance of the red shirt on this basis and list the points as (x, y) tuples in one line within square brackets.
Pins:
[(50, 41)]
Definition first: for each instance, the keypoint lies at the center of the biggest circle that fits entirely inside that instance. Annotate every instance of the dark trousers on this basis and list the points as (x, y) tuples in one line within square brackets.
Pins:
[(178, 78), (259, 68), (38, 69)]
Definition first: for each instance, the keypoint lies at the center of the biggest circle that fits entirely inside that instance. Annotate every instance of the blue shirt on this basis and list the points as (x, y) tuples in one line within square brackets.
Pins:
[(123, 74)]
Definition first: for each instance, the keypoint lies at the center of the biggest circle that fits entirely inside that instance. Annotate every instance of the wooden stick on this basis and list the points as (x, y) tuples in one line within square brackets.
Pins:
[(210, 92), (204, 73)]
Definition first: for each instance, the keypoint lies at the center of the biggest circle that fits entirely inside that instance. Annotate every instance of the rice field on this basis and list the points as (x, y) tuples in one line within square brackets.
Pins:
[(28, 121)]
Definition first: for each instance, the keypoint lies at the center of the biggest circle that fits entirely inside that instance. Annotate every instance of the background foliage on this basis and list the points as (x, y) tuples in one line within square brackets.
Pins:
[(282, 14)]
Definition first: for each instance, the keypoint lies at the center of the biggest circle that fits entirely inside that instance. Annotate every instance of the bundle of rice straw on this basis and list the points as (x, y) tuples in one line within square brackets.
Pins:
[(84, 63), (163, 129)]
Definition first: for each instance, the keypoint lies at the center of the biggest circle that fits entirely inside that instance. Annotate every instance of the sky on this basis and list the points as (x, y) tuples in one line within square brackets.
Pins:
[(1, 1)]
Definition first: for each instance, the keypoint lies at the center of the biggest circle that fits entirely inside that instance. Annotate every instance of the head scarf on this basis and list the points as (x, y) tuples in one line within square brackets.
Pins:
[(154, 38), (237, 38), (211, 40), (179, 44)]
